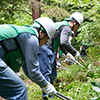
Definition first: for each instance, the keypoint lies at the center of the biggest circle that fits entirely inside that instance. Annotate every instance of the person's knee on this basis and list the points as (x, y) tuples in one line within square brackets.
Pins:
[(24, 88), (24, 92)]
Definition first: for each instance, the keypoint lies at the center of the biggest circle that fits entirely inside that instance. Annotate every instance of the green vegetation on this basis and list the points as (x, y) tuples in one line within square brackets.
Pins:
[(75, 84)]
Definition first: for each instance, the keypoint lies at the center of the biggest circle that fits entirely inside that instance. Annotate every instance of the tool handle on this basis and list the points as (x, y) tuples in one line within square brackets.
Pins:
[(73, 59), (59, 97), (63, 97), (78, 63), (83, 61)]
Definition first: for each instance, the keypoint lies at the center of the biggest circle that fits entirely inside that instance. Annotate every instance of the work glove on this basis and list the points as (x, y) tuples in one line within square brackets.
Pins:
[(49, 89), (80, 48), (77, 56), (70, 56), (58, 64)]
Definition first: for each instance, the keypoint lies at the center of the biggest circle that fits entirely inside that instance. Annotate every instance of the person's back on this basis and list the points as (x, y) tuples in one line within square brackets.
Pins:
[(10, 51)]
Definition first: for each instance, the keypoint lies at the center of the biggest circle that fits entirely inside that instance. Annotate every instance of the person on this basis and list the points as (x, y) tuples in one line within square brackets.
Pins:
[(85, 44), (19, 47), (46, 53)]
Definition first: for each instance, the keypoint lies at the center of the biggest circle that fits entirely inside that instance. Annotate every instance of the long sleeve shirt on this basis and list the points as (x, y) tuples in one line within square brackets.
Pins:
[(64, 40), (64, 32), (29, 46)]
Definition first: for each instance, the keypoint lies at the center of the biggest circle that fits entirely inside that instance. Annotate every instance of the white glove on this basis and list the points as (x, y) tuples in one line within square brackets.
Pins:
[(70, 56), (49, 89), (80, 48), (77, 55), (58, 63)]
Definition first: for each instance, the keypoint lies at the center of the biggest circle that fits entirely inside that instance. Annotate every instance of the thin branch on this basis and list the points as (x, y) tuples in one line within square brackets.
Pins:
[(24, 11), (11, 2), (20, 10)]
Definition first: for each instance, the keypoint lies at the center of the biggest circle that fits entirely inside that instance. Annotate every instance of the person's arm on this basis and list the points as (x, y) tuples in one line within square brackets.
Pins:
[(29, 47), (64, 40), (63, 50), (31, 57)]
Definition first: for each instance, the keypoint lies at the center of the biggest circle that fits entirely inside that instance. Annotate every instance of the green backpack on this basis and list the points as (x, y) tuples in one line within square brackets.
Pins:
[(14, 58)]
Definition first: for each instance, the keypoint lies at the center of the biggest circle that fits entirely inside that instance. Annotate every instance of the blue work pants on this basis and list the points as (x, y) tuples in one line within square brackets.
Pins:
[(47, 64), (11, 86)]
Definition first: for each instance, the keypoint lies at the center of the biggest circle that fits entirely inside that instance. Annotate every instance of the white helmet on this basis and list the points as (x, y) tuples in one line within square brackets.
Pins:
[(47, 24), (78, 17)]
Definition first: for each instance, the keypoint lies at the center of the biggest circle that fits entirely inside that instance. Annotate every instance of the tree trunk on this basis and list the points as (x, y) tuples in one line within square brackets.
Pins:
[(36, 9)]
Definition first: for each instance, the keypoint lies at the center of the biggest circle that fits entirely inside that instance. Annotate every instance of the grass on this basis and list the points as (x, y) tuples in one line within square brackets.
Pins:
[(75, 84)]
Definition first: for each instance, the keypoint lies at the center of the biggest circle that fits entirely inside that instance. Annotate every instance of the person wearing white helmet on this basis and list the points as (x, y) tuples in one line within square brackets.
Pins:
[(18, 48), (61, 38), (78, 17), (75, 20)]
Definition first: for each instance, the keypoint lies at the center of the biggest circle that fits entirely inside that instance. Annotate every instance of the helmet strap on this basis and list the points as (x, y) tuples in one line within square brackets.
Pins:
[(42, 37), (74, 24), (38, 29)]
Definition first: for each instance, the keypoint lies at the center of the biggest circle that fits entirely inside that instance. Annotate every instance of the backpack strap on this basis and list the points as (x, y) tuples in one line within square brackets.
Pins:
[(3, 46)]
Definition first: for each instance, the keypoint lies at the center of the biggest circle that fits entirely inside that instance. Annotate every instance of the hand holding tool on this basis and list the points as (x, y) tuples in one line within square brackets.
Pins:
[(73, 59), (49, 89)]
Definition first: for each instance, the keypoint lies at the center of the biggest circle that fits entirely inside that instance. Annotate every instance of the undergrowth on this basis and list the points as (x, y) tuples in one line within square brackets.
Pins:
[(75, 84)]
